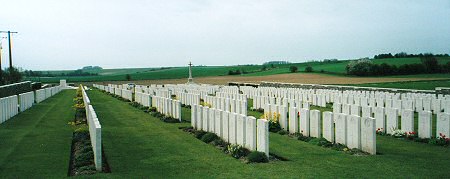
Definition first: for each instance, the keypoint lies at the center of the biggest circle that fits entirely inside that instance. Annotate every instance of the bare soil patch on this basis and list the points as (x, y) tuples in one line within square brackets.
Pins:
[(286, 78)]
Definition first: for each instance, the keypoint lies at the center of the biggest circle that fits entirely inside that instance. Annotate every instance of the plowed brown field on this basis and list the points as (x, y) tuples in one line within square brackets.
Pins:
[(286, 78)]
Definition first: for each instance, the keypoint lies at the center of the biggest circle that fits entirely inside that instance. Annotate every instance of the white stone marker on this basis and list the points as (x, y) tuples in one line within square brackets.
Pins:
[(212, 120), (380, 119), (283, 117), (199, 117), (293, 120), (443, 124), (225, 125), (341, 128), (304, 121), (425, 124), (398, 105), (262, 141), (194, 116), (232, 127), (337, 108), (368, 135), (391, 120), (407, 120), (205, 119), (353, 132), (250, 135), (355, 110), (315, 123), (426, 103), (418, 104), (366, 111), (240, 129), (218, 123), (346, 109), (328, 126)]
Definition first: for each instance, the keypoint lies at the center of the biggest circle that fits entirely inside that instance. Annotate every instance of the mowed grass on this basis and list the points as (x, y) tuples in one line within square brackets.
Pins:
[(138, 145), (420, 85), (333, 68), (37, 142)]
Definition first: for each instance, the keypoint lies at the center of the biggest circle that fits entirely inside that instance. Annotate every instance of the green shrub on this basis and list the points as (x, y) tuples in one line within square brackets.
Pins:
[(309, 69), (219, 142), (237, 151), (209, 137), (199, 134), (84, 159), (303, 138), (282, 132), (257, 157)]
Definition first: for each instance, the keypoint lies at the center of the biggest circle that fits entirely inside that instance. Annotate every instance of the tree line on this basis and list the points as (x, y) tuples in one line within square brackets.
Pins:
[(10, 75), (429, 64), (406, 55), (79, 72)]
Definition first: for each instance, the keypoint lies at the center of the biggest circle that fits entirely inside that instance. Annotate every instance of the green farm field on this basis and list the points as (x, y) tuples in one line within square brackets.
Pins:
[(331, 68)]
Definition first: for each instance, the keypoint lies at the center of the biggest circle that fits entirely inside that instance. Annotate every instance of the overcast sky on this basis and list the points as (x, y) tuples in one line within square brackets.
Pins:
[(70, 34)]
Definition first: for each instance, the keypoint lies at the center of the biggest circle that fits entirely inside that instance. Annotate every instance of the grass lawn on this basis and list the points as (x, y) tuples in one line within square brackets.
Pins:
[(36, 143), (138, 145)]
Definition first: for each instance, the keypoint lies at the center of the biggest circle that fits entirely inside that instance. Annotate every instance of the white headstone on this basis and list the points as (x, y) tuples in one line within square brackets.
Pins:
[(315, 123), (380, 119), (232, 126), (353, 132), (443, 125), (262, 142), (328, 126), (368, 135), (250, 136), (293, 120), (225, 125), (283, 117), (391, 120), (240, 129), (304, 121), (341, 128), (407, 120), (218, 123), (425, 124)]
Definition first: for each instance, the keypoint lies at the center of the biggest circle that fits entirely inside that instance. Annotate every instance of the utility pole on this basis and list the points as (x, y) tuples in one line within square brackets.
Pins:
[(9, 43), (1, 48)]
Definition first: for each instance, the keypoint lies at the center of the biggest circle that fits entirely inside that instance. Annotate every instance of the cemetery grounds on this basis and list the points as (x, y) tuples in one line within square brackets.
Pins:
[(36, 144)]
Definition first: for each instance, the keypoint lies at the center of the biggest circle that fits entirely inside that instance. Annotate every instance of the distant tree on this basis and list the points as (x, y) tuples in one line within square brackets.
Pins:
[(272, 65), (264, 68), (431, 63), (359, 67), (293, 69), (309, 69), (128, 77), (11, 75)]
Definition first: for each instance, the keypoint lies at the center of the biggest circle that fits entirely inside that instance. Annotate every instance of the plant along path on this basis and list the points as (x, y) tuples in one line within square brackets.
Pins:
[(36, 143), (138, 145)]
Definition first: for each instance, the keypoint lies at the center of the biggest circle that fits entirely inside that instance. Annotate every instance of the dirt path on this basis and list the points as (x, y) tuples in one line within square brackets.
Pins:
[(287, 78)]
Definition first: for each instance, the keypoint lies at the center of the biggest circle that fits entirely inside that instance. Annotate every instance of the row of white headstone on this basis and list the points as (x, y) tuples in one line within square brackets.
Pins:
[(234, 128), (167, 106), (127, 94), (387, 119), (45, 93), (236, 96), (11, 106), (143, 99), (260, 102), (227, 104), (95, 131), (350, 130), (188, 98)]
